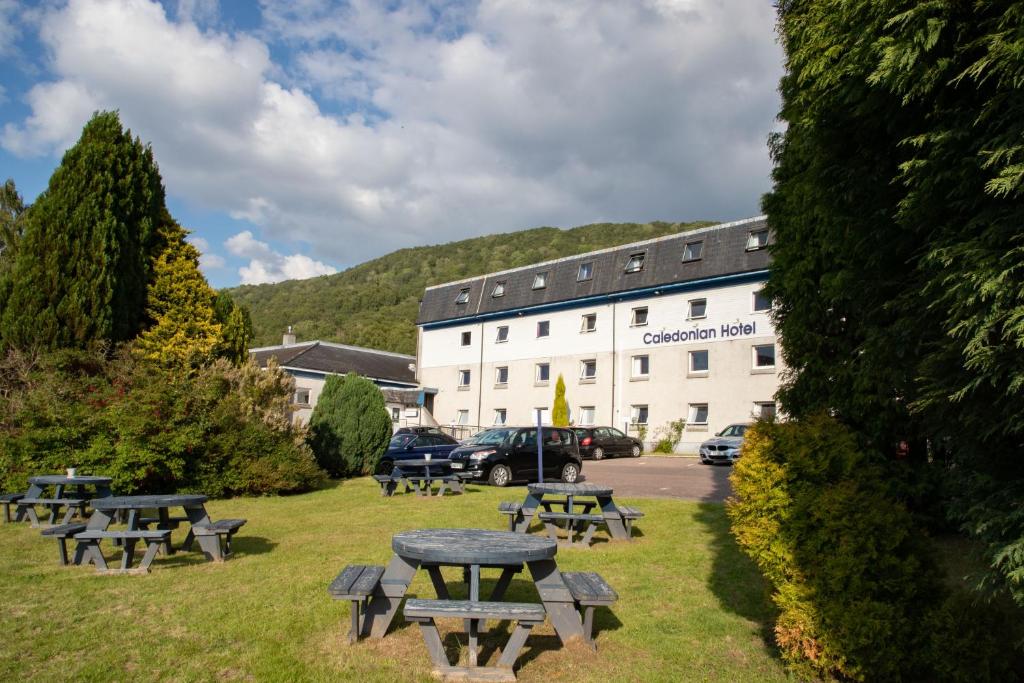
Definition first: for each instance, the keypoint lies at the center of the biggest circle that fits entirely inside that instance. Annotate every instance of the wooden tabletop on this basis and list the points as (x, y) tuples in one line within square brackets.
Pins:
[(141, 502), (63, 480), (417, 462), (560, 489), (472, 546)]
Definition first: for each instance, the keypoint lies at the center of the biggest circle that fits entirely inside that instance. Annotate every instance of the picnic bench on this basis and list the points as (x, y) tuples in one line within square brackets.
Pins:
[(89, 548), (62, 533), (421, 473), (589, 590), (576, 517), (60, 498), (356, 584), (8, 499)]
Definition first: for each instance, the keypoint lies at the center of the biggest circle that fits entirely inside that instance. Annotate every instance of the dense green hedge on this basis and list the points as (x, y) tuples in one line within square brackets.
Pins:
[(220, 431), (856, 581), (350, 427)]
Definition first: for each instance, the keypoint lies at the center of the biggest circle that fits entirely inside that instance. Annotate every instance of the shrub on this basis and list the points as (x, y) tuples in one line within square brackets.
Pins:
[(350, 426), (669, 436)]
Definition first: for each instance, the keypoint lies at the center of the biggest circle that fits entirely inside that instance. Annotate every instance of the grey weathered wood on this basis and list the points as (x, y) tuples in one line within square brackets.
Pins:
[(7, 499), (471, 546), (558, 601), (509, 507), (559, 489), (475, 609), (575, 516), (589, 588), (388, 596), (144, 534), (143, 502), (62, 533), (356, 583), (630, 513)]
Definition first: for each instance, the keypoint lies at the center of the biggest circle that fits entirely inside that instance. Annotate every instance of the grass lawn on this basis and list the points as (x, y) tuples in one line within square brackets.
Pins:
[(691, 606)]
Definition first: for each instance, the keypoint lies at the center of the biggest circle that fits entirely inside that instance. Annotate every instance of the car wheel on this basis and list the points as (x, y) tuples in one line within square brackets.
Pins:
[(598, 453), (570, 473), (500, 475), (635, 451)]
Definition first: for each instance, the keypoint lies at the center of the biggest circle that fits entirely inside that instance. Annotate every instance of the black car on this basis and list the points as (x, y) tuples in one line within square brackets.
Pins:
[(502, 455), (600, 442), (409, 445)]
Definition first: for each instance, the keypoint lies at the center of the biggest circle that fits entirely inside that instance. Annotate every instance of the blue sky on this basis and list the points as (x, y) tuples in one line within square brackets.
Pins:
[(300, 137)]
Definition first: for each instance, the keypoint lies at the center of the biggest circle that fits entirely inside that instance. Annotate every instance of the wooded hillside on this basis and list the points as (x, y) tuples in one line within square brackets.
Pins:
[(374, 304)]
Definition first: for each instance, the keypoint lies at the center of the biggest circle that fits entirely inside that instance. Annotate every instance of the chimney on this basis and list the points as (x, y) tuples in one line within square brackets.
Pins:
[(289, 337)]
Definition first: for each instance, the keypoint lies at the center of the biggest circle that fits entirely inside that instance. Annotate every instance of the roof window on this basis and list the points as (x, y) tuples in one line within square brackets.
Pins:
[(586, 272), (540, 280), (758, 239), (635, 262), (463, 296), (693, 251), (499, 289)]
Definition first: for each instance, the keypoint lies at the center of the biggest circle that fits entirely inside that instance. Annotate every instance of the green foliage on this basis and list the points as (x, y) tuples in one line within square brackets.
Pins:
[(375, 304), (670, 435), (236, 328), (350, 427), (898, 272), (560, 411), (89, 241), (184, 334), (12, 225), (851, 574), (152, 430)]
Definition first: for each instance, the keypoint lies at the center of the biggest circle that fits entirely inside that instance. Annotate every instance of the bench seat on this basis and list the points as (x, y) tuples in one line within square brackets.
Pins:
[(514, 510), (388, 484), (7, 499), (589, 590), (629, 515), (574, 521), (447, 481), (525, 615), (223, 528), (89, 545), (573, 516), (356, 583), (62, 533), (136, 534)]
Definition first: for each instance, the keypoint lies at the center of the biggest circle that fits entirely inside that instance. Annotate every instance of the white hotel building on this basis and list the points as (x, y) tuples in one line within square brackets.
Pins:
[(643, 334)]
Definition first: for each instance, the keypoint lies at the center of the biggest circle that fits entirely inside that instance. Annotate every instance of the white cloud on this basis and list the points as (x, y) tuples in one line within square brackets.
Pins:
[(266, 265), (208, 261), (459, 120)]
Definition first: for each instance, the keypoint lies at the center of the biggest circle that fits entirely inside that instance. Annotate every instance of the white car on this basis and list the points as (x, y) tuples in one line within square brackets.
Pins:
[(725, 447)]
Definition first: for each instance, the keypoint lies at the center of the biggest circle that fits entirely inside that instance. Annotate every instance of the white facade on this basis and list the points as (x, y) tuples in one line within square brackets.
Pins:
[(643, 371)]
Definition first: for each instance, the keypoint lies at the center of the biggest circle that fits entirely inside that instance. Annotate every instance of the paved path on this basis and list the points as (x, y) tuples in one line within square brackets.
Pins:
[(659, 477)]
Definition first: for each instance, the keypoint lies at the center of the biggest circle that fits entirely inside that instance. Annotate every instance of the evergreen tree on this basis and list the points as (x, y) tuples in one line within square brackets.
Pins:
[(184, 333), (89, 242), (560, 411), (350, 426), (236, 328), (326, 434), (12, 212)]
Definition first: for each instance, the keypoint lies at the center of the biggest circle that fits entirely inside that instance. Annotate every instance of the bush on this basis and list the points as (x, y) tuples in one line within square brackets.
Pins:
[(151, 430), (669, 436), (350, 427)]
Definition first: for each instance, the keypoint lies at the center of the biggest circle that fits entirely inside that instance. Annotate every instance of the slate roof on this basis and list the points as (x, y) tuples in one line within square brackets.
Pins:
[(328, 358), (724, 253)]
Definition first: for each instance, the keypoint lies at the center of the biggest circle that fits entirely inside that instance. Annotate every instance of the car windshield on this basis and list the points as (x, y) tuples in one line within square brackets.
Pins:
[(581, 433), (489, 437), (733, 430), (401, 440)]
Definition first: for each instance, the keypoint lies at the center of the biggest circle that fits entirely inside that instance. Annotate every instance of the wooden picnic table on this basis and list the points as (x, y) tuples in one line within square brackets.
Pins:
[(566, 495), (472, 549), (68, 492), (104, 510), (409, 471)]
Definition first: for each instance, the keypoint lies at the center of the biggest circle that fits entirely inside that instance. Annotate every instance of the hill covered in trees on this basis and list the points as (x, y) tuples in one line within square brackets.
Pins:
[(375, 303)]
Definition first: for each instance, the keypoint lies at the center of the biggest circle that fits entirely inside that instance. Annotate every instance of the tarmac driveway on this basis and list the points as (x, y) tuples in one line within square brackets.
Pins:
[(661, 477)]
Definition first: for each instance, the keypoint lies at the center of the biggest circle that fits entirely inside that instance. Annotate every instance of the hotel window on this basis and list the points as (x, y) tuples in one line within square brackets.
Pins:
[(638, 414), (693, 251), (543, 372), (698, 309), (499, 289), (764, 356), (589, 323), (462, 417), (301, 397), (699, 361), (639, 317), (761, 302), (396, 413), (586, 415), (758, 239), (502, 336), (641, 366), (467, 338), (765, 410), (586, 271), (543, 328), (463, 378), (698, 414), (540, 280), (501, 375), (588, 369), (463, 296), (500, 415), (635, 262)]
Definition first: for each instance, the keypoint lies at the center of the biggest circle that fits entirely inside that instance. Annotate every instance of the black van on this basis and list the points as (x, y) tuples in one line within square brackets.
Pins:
[(501, 455)]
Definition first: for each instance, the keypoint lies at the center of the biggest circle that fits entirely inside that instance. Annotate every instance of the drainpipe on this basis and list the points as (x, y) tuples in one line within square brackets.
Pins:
[(615, 354), (480, 381)]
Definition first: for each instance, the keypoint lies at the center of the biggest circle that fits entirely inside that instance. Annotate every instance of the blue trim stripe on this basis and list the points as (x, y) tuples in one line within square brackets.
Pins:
[(671, 288)]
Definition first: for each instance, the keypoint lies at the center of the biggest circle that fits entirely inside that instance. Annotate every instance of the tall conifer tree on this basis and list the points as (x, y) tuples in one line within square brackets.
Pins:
[(85, 259)]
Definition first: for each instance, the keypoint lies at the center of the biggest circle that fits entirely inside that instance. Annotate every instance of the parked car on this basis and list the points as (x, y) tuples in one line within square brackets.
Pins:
[(501, 455), (409, 445), (601, 442), (725, 447)]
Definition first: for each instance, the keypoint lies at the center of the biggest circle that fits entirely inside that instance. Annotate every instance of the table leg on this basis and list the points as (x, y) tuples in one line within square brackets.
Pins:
[(210, 545), (437, 579), (474, 594), (530, 506), (557, 599), (99, 520), (503, 582), (388, 596), (55, 508), (165, 523), (613, 518)]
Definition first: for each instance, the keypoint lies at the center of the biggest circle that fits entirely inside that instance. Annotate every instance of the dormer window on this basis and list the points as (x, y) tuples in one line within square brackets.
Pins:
[(463, 296), (499, 289), (635, 262), (693, 251), (586, 272), (540, 280), (758, 239)]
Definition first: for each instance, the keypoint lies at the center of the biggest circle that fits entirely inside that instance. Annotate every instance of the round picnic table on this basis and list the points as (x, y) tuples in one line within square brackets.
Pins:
[(544, 495), (63, 480), (145, 502), (560, 489), (38, 485), (441, 464), (472, 546)]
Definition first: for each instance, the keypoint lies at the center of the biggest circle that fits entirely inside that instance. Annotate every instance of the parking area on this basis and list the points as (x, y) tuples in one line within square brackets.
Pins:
[(661, 477)]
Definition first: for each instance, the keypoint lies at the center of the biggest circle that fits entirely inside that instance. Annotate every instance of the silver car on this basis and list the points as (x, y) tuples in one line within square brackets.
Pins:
[(725, 447)]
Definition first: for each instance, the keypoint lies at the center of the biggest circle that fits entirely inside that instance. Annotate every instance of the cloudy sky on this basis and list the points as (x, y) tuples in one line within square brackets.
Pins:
[(300, 137)]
